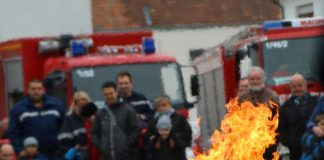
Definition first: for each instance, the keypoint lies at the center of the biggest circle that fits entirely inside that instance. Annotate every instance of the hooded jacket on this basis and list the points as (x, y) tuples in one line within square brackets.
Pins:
[(313, 147), (319, 109), (115, 131)]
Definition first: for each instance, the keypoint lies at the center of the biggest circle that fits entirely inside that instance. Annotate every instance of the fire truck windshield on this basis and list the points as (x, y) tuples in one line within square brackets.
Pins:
[(283, 58), (151, 79)]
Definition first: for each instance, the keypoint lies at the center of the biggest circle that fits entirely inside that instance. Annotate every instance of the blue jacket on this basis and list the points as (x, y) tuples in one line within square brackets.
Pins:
[(319, 109), (313, 147), (44, 124), (141, 105)]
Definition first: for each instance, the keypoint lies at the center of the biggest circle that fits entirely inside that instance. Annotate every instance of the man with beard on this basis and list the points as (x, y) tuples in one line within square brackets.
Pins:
[(294, 114), (36, 115), (258, 93)]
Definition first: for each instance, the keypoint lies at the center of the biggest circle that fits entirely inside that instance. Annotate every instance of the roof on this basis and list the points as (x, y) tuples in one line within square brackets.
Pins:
[(125, 14)]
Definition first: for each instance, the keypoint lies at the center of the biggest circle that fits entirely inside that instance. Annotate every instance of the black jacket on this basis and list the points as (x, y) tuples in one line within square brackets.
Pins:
[(72, 132), (263, 96), (166, 151), (292, 121), (115, 131)]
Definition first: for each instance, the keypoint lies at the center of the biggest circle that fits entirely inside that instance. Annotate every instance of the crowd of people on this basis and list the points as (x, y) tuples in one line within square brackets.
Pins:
[(130, 127), (127, 127)]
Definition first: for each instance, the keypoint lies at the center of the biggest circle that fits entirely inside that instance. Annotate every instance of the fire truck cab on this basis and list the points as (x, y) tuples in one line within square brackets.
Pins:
[(70, 63), (281, 48)]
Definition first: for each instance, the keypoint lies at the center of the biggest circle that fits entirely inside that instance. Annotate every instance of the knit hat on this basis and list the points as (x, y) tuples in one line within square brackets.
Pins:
[(164, 122), (30, 141)]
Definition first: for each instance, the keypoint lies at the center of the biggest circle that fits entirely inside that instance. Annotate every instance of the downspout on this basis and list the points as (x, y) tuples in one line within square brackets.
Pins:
[(282, 9)]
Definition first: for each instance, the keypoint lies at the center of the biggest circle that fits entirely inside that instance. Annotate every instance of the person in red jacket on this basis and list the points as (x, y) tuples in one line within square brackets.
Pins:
[(7, 152)]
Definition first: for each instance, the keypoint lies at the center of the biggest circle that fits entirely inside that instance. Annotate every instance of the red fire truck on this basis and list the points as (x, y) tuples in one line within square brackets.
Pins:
[(281, 48), (69, 63)]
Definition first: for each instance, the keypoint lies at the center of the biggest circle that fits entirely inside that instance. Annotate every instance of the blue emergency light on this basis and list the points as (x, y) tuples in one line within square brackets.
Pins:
[(272, 25), (268, 25), (77, 49), (148, 45)]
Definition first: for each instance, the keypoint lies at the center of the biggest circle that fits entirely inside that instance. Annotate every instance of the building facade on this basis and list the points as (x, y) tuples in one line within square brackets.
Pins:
[(293, 9), (182, 26)]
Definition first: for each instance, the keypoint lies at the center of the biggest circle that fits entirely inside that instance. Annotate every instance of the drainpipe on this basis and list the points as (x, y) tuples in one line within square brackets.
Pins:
[(282, 9)]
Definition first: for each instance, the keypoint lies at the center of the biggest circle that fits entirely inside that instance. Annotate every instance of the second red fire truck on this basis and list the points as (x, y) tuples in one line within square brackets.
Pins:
[(281, 48)]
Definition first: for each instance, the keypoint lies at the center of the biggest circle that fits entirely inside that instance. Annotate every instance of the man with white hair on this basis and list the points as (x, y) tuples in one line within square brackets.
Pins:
[(258, 93), (294, 115)]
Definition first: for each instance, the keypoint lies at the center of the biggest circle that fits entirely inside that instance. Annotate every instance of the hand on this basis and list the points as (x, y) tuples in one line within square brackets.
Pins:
[(157, 145), (152, 137), (318, 131), (141, 116), (22, 153), (172, 143)]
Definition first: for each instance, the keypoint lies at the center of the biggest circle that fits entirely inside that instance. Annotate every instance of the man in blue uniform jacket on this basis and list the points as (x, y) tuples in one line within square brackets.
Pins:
[(36, 115), (138, 101)]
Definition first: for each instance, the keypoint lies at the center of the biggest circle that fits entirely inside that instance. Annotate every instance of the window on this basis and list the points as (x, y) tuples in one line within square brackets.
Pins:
[(14, 82), (150, 79), (306, 10), (55, 84), (282, 58)]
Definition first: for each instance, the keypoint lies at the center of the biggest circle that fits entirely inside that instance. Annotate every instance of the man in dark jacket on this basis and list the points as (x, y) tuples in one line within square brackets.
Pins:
[(294, 115), (139, 102), (258, 93), (115, 129), (36, 115)]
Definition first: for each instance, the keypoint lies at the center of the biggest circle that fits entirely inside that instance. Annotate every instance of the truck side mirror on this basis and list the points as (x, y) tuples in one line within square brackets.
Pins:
[(194, 85)]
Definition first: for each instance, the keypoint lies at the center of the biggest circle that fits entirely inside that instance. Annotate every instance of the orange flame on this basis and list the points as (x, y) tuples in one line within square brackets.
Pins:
[(246, 133)]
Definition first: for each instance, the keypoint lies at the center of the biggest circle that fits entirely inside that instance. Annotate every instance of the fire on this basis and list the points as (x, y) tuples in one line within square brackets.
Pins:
[(246, 132)]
